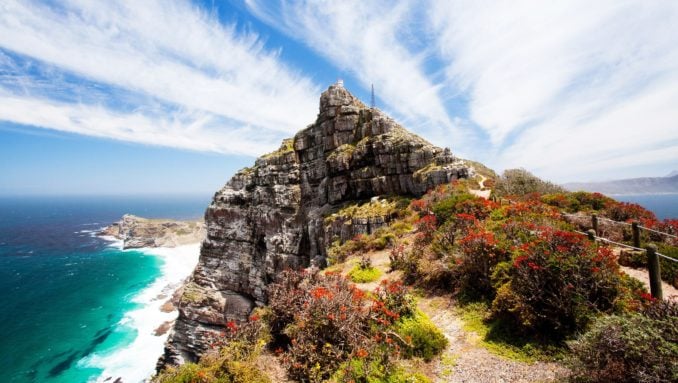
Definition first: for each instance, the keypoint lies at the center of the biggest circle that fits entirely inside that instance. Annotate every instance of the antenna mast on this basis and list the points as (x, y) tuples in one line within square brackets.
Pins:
[(373, 105)]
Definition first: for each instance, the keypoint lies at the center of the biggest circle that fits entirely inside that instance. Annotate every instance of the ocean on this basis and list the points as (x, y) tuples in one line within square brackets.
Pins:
[(75, 307)]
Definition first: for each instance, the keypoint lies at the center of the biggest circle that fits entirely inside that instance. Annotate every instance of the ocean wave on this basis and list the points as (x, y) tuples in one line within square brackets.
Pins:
[(113, 242), (135, 361)]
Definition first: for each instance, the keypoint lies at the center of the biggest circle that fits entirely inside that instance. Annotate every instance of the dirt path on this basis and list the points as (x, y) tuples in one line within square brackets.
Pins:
[(669, 292), (480, 192), (466, 360)]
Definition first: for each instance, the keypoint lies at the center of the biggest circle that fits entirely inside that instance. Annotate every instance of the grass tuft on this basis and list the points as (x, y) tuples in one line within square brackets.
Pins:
[(364, 275), (499, 339)]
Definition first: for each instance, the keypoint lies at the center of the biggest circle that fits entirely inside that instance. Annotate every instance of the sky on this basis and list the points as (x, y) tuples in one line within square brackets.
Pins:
[(173, 96)]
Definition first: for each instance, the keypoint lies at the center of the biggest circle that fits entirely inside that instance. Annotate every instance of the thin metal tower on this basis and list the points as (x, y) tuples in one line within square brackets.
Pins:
[(373, 104)]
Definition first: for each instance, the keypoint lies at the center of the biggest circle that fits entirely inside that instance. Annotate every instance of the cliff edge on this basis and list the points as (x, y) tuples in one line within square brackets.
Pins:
[(270, 217)]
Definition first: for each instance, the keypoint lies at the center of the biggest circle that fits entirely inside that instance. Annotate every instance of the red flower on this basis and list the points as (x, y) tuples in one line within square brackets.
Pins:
[(232, 326), (361, 353), (321, 292), (519, 260), (648, 297)]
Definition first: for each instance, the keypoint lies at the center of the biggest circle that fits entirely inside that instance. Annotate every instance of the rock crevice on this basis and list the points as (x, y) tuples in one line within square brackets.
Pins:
[(271, 216)]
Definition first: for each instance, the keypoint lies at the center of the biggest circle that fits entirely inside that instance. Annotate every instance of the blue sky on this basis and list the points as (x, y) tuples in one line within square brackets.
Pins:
[(173, 96)]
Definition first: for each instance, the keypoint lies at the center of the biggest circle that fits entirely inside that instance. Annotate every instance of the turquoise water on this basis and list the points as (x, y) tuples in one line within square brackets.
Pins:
[(63, 291), (663, 205)]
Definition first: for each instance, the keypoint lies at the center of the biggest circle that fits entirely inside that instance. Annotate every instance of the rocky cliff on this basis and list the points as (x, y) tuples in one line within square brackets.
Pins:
[(137, 232), (270, 217)]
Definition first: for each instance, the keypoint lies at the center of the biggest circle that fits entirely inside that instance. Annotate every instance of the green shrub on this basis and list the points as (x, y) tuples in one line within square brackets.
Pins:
[(358, 370), (400, 228), (591, 201), (232, 360), (382, 238), (425, 338), (446, 208), (631, 348), (520, 182), (402, 376), (364, 275), (186, 373), (407, 261), (337, 252), (578, 201)]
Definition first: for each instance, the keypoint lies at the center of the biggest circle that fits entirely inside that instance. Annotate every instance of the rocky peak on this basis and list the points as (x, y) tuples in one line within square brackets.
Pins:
[(337, 99), (271, 216)]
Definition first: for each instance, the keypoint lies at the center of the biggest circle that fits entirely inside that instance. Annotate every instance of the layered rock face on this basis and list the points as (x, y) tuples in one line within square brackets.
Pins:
[(270, 217)]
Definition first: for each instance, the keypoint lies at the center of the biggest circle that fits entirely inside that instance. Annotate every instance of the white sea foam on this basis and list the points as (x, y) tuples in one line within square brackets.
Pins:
[(136, 361), (113, 241)]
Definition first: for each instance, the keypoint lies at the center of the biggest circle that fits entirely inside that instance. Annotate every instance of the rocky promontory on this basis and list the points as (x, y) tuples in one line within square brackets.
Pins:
[(271, 216), (137, 232)]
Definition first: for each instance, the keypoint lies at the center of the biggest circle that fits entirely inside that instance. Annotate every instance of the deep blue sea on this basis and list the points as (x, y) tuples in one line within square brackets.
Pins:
[(64, 291), (663, 205)]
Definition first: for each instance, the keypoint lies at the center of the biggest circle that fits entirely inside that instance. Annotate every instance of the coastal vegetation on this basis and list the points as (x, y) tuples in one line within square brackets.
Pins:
[(515, 267)]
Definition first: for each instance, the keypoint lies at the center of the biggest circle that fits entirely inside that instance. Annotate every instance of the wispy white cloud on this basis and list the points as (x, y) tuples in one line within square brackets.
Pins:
[(571, 90), (170, 51), (370, 40), (178, 129), (574, 89)]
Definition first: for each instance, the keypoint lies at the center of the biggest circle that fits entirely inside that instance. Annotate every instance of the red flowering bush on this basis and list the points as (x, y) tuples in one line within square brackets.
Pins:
[(419, 205), (407, 261), (426, 226), (556, 283), (624, 211), (321, 318), (532, 211), (480, 253), (324, 321)]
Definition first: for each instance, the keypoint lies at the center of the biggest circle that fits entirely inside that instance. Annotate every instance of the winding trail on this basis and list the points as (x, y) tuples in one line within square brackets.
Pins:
[(670, 293), (483, 192), (465, 359)]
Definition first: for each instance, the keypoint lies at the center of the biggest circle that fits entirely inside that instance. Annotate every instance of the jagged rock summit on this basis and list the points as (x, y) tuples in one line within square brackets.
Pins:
[(270, 217)]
